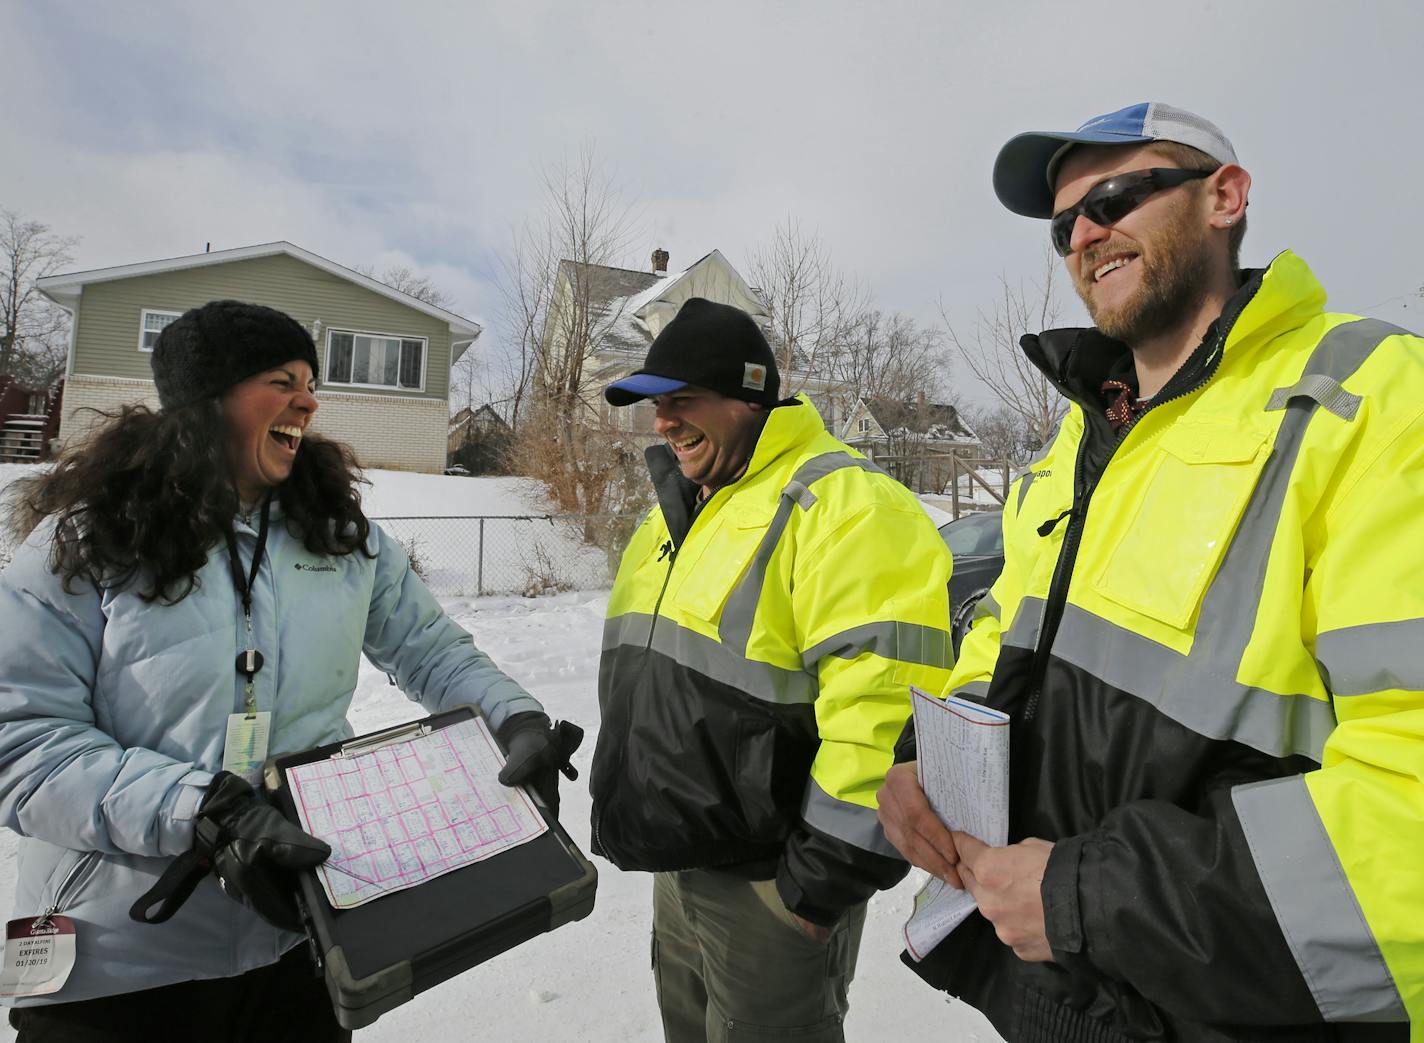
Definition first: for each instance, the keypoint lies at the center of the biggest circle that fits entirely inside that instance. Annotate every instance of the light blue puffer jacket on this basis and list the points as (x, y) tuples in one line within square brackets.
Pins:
[(113, 715)]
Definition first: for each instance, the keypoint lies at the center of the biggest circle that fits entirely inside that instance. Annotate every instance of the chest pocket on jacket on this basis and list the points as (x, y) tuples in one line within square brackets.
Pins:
[(1184, 519), (725, 556)]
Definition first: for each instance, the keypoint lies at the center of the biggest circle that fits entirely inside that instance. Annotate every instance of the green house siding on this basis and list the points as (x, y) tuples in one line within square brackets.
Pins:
[(108, 330)]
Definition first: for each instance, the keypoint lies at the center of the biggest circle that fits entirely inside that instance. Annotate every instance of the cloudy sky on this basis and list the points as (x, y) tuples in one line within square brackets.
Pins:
[(377, 133)]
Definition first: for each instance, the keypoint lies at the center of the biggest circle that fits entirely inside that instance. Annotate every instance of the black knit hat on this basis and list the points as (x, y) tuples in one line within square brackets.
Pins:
[(710, 345), (207, 350)]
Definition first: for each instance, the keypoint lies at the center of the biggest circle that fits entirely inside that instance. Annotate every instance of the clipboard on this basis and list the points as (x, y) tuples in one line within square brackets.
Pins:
[(383, 953)]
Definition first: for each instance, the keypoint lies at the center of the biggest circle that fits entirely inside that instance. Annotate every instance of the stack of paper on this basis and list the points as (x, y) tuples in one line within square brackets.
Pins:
[(964, 771)]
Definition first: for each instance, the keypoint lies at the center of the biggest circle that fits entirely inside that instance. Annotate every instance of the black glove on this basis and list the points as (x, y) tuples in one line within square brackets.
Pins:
[(249, 846), (535, 753)]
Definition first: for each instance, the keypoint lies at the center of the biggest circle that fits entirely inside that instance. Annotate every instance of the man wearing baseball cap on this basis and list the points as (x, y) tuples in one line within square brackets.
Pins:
[(763, 628), (1207, 634)]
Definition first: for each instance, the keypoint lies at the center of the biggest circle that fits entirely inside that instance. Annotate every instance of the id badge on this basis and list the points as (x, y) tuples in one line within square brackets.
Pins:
[(39, 954), (246, 746)]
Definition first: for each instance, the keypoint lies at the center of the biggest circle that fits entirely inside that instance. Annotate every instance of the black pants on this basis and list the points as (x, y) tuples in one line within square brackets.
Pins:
[(284, 1001)]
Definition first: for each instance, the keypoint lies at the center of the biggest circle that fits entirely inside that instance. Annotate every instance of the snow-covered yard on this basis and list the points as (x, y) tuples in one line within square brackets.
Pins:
[(587, 981)]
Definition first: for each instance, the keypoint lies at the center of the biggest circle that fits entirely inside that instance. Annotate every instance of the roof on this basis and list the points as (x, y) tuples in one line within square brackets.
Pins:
[(611, 291), (485, 414), (65, 289), (620, 298), (934, 420)]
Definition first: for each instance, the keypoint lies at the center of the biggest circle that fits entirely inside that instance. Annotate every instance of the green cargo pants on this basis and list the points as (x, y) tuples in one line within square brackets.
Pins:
[(731, 964)]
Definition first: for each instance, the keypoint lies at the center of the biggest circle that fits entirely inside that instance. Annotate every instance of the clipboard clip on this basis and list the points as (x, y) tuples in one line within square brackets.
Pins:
[(374, 741)]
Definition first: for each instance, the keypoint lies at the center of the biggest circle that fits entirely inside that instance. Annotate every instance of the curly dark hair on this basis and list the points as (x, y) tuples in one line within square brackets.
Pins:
[(147, 495)]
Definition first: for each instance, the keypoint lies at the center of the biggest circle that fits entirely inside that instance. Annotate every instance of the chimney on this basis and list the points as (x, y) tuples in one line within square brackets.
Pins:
[(660, 261)]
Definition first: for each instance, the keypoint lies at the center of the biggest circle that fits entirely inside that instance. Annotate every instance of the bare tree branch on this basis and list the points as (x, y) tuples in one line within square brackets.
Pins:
[(892, 358), (407, 281), (560, 306), (991, 352), (814, 306)]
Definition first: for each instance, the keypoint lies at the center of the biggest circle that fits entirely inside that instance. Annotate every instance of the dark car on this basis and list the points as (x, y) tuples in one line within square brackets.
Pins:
[(976, 541)]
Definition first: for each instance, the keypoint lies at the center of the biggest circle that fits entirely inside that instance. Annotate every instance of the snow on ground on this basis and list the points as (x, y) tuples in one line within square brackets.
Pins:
[(587, 981), (394, 493), (515, 549)]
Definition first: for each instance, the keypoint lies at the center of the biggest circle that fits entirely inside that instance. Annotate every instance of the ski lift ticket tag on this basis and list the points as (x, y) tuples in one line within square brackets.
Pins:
[(39, 954)]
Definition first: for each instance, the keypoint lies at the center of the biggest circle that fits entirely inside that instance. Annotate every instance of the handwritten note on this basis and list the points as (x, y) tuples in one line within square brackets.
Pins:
[(963, 764)]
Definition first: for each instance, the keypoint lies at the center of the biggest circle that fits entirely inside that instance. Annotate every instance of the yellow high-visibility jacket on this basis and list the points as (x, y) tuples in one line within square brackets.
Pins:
[(755, 667), (1209, 632)]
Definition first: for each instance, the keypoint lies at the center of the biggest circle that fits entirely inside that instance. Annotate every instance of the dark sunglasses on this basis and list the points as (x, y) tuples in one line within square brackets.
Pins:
[(1108, 202)]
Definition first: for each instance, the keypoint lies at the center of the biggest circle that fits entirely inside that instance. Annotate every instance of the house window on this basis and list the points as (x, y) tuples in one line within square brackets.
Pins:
[(151, 325), (863, 426), (375, 360)]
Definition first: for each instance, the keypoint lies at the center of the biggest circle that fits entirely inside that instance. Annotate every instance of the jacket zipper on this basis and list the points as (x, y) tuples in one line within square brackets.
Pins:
[(669, 552), (1078, 515)]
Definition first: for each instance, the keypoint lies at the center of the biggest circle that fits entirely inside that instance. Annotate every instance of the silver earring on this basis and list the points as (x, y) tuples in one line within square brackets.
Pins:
[(1228, 220)]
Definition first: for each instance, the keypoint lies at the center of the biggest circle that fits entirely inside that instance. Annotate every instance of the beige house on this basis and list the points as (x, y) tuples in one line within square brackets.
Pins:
[(631, 307), (385, 355)]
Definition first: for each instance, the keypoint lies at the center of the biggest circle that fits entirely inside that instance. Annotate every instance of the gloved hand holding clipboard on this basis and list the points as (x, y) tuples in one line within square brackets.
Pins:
[(436, 866)]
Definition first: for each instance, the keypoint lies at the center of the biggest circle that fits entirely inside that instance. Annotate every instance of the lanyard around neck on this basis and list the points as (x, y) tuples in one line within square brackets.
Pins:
[(243, 582), (249, 661)]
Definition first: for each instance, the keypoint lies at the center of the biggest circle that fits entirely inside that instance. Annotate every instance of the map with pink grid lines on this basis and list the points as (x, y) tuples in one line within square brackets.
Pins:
[(408, 812)]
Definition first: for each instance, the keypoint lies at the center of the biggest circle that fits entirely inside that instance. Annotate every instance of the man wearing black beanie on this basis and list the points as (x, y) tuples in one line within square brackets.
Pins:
[(765, 623)]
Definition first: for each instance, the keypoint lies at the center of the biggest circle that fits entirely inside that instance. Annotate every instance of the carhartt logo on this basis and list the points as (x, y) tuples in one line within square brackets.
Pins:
[(754, 376), (302, 566)]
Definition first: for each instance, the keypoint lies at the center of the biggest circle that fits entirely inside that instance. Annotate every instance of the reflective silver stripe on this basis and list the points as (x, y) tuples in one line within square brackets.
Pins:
[(1028, 620), (1328, 393), (1332, 943), (1373, 657), (856, 825), (906, 642), (975, 691), (631, 628), (1275, 723), (802, 495), (816, 468), (740, 611), (1025, 481), (1031, 472), (987, 606), (1184, 689), (1228, 613), (711, 659)]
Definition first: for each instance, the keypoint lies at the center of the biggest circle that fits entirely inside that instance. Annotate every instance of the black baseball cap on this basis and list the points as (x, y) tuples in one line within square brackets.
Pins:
[(709, 345)]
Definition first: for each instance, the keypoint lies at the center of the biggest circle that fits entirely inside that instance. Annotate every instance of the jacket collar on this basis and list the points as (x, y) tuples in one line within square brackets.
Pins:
[(1279, 297), (249, 521), (790, 424)]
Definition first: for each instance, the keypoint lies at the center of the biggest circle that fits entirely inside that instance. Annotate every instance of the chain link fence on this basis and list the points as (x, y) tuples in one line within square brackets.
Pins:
[(513, 554), (500, 554)]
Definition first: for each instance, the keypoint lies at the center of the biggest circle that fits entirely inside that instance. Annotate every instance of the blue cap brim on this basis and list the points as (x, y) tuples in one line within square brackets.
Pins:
[(1021, 170), (639, 386)]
